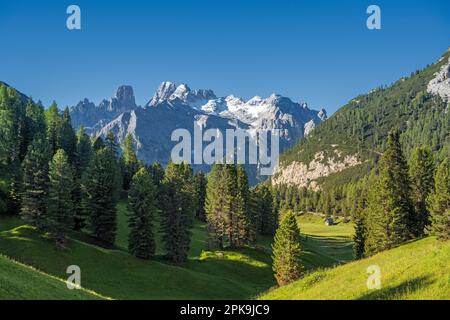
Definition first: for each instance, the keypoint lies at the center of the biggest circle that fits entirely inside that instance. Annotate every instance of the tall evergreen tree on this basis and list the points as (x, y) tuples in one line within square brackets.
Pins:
[(129, 160), (439, 202), (244, 194), (142, 206), (35, 182), (421, 170), (359, 238), (100, 196), (178, 209), (268, 216), (54, 123), (390, 211), (200, 186), (67, 136), (287, 264), (60, 206), (82, 159), (214, 204)]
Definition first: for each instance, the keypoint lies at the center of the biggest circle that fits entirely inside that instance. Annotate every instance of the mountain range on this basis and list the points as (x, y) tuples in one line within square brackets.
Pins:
[(179, 107)]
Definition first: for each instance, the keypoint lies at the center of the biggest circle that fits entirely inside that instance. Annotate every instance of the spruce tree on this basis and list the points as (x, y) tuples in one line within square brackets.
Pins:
[(287, 264), (214, 204), (67, 136), (60, 206), (244, 194), (178, 209), (421, 170), (200, 186), (359, 238), (129, 161), (391, 219), (439, 203), (35, 182), (82, 159), (100, 196), (54, 123), (142, 206)]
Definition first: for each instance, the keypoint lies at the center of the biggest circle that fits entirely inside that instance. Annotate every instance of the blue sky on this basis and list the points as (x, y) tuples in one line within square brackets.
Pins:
[(315, 51)]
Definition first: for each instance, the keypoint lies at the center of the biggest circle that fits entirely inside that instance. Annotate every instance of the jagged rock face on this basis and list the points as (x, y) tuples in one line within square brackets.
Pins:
[(94, 117), (440, 85), (173, 107), (305, 175)]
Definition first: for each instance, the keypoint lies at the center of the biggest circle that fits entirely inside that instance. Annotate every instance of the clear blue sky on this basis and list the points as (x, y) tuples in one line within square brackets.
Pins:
[(315, 51)]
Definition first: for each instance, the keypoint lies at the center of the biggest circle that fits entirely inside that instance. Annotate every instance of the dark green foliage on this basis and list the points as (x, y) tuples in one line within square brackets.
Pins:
[(35, 182), (97, 143), (68, 139), (82, 159), (390, 214), (359, 238), (227, 207), (54, 124), (142, 206), (287, 264), (129, 161), (100, 195), (439, 202), (263, 211), (111, 144), (200, 187), (178, 210), (421, 171), (214, 205), (60, 206)]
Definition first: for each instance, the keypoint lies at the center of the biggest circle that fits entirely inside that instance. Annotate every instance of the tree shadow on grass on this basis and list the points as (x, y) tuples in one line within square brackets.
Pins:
[(399, 291)]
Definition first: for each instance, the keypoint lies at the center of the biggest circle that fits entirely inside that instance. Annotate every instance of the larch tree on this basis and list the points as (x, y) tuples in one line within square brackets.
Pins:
[(287, 265), (60, 205), (421, 171), (439, 203), (142, 207)]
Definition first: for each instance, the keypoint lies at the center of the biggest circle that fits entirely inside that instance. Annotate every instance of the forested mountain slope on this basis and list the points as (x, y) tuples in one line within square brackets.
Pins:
[(345, 147)]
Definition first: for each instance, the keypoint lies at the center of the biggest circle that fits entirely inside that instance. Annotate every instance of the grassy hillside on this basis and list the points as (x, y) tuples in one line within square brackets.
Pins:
[(114, 273), (325, 246), (18, 281), (417, 270)]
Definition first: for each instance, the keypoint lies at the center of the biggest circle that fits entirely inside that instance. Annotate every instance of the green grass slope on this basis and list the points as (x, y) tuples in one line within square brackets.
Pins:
[(416, 270), (114, 273), (18, 281)]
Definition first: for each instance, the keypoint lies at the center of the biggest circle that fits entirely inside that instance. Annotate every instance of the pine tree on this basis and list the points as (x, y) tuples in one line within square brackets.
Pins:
[(200, 186), (54, 122), (67, 137), (439, 203), (82, 159), (287, 264), (178, 209), (244, 194), (35, 182), (390, 213), (100, 196), (214, 204), (359, 238), (60, 206), (268, 216), (97, 143), (111, 143), (421, 170), (143, 209), (35, 121), (130, 162)]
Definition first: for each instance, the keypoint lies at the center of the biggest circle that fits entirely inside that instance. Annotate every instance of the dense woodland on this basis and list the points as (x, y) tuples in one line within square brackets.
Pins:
[(63, 181)]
